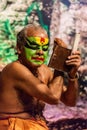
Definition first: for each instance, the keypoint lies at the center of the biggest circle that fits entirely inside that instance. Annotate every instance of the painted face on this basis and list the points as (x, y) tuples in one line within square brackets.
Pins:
[(36, 50)]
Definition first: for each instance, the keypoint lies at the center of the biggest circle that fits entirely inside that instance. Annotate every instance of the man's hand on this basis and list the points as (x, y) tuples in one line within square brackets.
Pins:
[(75, 61), (44, 73)]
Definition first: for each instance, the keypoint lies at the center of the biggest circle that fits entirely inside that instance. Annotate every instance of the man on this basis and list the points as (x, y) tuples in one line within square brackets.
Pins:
[(27, 83)]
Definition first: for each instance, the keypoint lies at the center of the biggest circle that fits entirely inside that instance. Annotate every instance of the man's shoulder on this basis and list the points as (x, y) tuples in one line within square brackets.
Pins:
[(14, 64), (14, 67)]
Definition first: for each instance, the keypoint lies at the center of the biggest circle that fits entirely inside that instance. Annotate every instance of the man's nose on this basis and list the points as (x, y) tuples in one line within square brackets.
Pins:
[(40, 51)]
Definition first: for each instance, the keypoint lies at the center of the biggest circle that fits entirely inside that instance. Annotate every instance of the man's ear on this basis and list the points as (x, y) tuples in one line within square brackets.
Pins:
[(18, 51)]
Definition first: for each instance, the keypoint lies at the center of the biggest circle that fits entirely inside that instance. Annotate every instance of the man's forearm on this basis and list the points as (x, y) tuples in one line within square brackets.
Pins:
[(70, 96), (56, 86)]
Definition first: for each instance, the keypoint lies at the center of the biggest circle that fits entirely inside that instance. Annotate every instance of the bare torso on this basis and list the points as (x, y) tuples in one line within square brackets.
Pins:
[(15, 102)]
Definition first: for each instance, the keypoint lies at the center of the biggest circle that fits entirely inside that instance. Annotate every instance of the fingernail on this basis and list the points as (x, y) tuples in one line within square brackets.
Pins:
[(68, 57)]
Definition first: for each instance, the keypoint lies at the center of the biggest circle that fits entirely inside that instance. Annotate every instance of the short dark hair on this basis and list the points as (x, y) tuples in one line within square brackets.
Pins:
[(20, 38)]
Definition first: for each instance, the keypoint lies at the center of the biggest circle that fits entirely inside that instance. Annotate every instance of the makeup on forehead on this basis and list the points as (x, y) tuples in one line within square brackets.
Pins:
[(38, 40)]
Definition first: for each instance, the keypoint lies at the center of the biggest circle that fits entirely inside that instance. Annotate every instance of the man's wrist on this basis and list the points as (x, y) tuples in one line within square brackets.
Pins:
[(75, 77)]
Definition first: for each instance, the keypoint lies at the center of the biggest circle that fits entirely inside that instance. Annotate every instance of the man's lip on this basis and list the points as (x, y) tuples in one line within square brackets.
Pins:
[(38, 58)]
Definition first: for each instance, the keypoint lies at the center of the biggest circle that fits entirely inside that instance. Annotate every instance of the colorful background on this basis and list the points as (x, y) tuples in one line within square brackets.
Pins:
[(63, 19)]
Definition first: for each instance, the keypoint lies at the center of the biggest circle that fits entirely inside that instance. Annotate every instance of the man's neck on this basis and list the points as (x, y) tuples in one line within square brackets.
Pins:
[(31, 67)]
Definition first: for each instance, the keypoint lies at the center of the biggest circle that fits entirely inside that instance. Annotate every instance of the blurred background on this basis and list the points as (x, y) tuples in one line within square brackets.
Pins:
[(62, 19)]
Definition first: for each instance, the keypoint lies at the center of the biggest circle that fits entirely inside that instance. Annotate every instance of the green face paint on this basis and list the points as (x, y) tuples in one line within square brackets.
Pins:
[(38, 40), (35, 42), (31, 47)]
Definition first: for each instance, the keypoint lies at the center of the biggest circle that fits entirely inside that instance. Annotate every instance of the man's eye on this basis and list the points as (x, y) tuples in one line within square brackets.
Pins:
[(31, 45), (45, 47)]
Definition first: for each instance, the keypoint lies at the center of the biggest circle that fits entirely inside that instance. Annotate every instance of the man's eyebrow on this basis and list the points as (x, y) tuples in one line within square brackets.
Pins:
[(31, 42), (28, 40), (46, 44)]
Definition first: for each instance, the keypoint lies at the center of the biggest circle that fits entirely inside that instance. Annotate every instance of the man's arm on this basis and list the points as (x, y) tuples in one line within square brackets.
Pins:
[(22, 78), (53, 82), (56, 86), (69, 97), (67, 94)]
